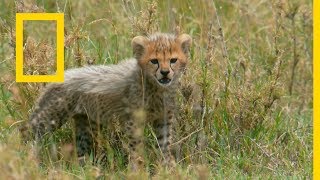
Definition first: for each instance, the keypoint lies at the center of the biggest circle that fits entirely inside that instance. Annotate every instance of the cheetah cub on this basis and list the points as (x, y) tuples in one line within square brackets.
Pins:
[(134, 92)]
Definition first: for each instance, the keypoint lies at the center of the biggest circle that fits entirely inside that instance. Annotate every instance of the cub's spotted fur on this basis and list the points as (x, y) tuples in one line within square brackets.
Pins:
[(143, 87)]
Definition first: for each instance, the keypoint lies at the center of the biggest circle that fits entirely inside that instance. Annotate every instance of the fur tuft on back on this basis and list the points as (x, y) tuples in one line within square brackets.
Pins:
[(102, 79)]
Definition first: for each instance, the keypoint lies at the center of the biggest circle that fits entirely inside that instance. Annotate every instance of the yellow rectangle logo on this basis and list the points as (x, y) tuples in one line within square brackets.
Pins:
[(59, 75)]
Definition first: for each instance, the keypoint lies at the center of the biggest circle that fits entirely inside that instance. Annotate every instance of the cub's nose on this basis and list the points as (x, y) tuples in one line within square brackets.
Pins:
[(164, 73)]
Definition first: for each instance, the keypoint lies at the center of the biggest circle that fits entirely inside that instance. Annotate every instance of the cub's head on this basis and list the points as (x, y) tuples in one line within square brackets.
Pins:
[(162, 57)]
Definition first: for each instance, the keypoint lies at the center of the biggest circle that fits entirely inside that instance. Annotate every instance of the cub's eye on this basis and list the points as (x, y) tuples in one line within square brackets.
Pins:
[(154, 61), (173, 60)]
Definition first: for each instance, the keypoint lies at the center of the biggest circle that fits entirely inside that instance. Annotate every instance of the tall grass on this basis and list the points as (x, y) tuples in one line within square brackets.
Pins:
[(245, 101)]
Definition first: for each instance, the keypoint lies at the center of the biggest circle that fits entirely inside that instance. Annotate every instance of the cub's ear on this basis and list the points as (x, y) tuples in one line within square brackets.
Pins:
[(185, 41), (138, 45)]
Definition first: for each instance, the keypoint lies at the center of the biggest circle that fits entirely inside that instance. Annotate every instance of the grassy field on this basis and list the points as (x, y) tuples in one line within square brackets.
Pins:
[(246, 98)]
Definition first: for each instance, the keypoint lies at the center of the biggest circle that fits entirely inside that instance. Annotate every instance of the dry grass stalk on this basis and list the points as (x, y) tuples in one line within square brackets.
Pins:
[(291, 15), (39, 57), (145, 22)]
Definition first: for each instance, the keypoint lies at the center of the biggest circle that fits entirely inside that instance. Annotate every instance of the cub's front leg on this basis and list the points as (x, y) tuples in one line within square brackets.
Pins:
[(134, 128), (163, 130)]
